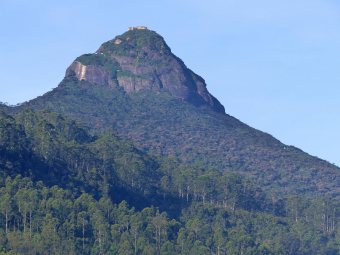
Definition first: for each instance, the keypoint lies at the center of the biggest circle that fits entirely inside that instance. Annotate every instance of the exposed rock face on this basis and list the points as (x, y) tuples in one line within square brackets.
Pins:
[(91, 73), (141, 60)]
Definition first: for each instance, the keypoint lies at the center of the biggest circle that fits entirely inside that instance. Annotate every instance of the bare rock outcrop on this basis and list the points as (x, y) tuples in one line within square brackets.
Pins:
[(91, 73), (141, 60)]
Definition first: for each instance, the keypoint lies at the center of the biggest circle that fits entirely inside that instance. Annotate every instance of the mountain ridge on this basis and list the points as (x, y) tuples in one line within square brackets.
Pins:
[(99, 166), (134, 84)]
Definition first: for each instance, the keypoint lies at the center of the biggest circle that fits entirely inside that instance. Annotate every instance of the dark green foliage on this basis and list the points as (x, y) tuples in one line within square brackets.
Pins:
[(40, 220), (69, 199), (92, 59), (45, 146), (159, 123), (66, 188), (52, 221), (99, 60), (3, 107), (134, 41), (135, 85)]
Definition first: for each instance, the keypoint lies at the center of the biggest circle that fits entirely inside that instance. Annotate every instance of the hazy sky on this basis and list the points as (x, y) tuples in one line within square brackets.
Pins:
[(273, 64)]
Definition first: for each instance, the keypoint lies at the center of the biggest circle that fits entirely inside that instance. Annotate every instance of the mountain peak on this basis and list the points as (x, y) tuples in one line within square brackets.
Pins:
[(140, 59), (137, 86), (139, 39)]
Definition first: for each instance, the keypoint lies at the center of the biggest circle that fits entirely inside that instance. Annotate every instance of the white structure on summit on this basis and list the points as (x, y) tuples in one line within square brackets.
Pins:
[(138, 28)]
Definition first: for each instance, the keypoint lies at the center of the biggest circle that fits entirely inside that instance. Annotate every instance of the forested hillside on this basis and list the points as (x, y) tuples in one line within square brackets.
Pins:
[(137, 86), (131, 154), (64, 191)]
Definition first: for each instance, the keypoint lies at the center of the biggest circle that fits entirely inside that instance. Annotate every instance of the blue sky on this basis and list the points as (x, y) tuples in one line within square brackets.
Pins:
[(272, 64)]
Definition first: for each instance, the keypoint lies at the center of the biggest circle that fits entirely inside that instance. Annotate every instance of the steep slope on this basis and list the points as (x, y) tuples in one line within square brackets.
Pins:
[(136, 85), (59, 188), (46, 147), (141, 60)]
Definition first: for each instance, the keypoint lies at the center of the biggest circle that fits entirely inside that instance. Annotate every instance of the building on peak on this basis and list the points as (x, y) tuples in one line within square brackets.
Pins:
[(138, 28)]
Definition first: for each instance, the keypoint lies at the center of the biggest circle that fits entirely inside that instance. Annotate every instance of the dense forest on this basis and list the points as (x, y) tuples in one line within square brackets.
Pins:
[(66, 190)]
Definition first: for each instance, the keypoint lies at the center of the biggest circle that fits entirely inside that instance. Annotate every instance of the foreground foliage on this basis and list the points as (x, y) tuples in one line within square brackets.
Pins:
[(40, 220)]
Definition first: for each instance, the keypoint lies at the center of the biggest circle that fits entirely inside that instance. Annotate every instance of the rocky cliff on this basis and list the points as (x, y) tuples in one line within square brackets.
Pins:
[(141, 60)]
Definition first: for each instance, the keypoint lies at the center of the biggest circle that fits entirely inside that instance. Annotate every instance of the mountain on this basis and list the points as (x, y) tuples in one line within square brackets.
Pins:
[(130, 154), (137, 86), (141, 60), (66, 191)]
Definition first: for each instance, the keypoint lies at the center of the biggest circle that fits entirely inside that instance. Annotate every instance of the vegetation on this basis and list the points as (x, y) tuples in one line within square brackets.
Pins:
[(64, 191), (133, 41), (99, 60), (150, 173), (163, 125)]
